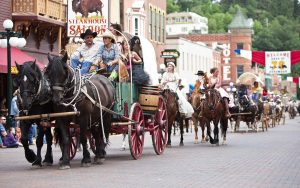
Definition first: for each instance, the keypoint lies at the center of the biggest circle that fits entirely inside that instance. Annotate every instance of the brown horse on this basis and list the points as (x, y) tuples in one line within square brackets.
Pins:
[(197, 120), (213, 110), (173, 114)]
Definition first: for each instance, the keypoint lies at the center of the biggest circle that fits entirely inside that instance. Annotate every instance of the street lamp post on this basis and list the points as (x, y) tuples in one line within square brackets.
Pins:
[(10, 38), (231, 89)]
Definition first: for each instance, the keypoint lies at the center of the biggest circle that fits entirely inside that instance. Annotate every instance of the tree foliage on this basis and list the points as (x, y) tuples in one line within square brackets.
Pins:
[(276, 22)]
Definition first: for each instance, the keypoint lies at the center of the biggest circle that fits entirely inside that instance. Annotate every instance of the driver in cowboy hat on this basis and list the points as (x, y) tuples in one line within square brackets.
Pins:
[(85, 55)]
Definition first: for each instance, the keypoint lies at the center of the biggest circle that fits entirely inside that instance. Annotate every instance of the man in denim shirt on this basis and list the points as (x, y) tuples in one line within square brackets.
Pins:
[(85, 55)]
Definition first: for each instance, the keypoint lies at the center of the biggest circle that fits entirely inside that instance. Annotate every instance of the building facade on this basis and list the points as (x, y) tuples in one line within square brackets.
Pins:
[(193, 57), (239, 36), (186, 23), (146, 18)]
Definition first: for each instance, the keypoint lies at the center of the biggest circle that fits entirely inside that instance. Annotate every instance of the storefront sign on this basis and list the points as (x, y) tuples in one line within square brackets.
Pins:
[(170, 55), (226, 60), (278, 62), (86, 14)]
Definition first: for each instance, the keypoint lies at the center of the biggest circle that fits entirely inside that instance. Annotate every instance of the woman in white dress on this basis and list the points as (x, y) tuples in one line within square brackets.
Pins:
[(171, 80), (215, 79)]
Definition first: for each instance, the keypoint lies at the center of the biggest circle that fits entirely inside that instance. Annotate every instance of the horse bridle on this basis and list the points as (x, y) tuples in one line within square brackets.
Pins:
[(30, 93), (63, 86), (216, 100)]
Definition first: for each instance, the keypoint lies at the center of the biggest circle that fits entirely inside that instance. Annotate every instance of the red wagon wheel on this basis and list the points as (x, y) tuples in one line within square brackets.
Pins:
[(136, 131), (73, 142), (160, 133)]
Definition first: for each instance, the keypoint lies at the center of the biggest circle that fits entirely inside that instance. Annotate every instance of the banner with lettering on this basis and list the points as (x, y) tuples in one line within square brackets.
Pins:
[(278, 62), (88, 14)]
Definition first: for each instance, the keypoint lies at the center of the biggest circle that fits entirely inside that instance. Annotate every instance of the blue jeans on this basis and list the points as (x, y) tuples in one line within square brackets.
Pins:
[(113, 67), (34, 130), (84, 66), (1, 142), (30, 135)]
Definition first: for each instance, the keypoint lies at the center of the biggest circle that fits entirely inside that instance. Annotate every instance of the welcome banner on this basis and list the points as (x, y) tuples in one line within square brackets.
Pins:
[(278, 62), (87, 14)]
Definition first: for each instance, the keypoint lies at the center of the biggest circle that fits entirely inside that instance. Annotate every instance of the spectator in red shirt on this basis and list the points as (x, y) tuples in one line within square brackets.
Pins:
[(265, 93)]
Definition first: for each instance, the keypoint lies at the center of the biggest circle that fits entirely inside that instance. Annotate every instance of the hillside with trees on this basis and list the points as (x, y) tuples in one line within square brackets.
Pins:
[(276, 22)]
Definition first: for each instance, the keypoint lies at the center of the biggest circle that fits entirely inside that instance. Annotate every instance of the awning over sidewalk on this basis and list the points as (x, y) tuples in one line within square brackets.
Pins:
[(16, 56)]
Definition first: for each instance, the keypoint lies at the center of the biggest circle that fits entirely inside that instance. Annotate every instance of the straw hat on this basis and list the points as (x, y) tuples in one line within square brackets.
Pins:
[(108, 34)]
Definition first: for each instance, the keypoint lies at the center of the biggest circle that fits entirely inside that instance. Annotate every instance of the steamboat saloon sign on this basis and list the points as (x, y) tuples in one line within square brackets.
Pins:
[(88, 14)]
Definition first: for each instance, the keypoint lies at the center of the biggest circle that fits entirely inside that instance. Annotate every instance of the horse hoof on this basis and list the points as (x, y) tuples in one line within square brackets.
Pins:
[(168, 146), (47, 163), (181, 144), (85, 164), (122, 149), (224, 143), (98, 160), (30, 155), (196, 142), (64, 167), (36, 166)]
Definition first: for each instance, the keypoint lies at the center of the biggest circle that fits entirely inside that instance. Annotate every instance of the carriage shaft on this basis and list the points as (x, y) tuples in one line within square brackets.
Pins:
[(47, 116)]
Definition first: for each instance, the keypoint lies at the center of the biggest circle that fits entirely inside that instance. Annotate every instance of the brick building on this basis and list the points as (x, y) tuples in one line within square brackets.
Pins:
[(239, 36), (146, 18)]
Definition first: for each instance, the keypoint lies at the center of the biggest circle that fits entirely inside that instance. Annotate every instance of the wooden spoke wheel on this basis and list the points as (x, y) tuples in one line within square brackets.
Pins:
[(160, 133), (136, 131), (73, 142)]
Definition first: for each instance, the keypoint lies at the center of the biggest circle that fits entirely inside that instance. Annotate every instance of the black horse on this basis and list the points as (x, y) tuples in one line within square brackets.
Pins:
[(86, 96), (34, 98)]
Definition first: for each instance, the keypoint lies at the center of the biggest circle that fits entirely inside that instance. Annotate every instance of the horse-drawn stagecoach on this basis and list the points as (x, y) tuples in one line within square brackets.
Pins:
[(95, 105)]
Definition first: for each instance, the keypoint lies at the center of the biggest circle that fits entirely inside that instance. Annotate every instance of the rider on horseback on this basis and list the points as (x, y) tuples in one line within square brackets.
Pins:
[(215, 81), (170, 80)]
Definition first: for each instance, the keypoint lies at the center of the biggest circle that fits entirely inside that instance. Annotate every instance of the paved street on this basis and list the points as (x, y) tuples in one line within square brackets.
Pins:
[(264, 159)]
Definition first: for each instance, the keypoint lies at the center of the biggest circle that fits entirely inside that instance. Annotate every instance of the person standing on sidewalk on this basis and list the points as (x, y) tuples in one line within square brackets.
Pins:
[(14, 111)]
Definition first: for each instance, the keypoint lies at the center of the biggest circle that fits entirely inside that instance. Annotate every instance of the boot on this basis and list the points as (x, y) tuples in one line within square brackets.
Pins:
[(227, 113), (113, 75)]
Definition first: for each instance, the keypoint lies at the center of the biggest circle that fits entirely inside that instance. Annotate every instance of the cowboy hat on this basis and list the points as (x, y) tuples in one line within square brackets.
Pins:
[(88, 32), (200, 73), (108, 34), (180, 85), (171, 63)]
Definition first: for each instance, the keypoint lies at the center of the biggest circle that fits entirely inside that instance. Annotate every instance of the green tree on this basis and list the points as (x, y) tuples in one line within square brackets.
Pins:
[(172, 7)]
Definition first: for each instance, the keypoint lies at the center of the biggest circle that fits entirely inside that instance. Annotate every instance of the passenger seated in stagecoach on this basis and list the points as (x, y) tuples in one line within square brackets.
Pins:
[(256, 92), (85, 55), (171, 80), (108, 56), (215, 80), (116, 30)]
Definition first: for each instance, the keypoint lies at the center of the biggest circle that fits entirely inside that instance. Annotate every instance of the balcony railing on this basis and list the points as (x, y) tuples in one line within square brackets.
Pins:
[(53, 9)]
